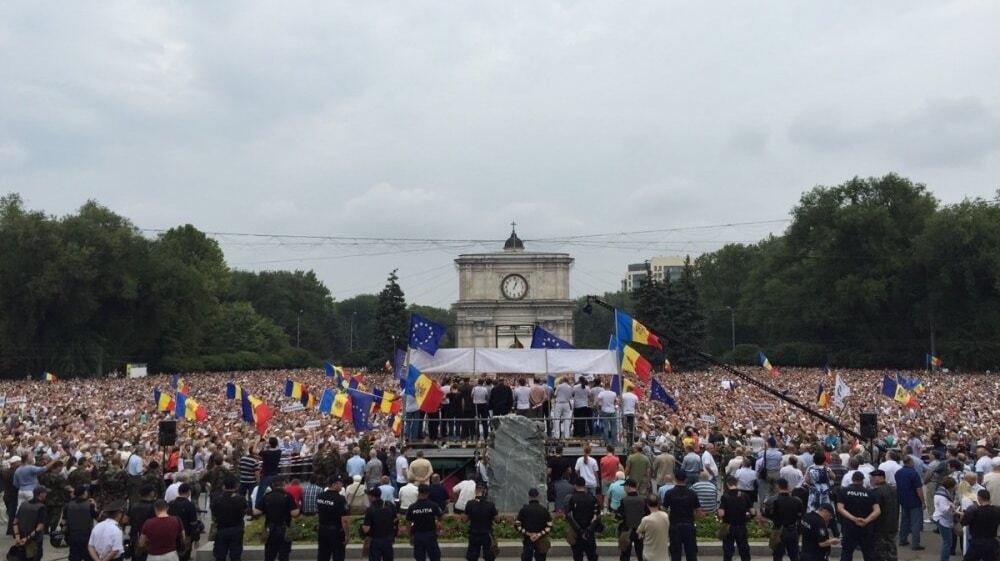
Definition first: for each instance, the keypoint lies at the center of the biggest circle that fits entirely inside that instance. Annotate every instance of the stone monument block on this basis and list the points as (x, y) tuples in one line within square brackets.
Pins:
[(516, 461)]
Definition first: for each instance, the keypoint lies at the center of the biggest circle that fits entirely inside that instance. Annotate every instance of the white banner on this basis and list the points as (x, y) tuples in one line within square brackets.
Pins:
[(516, 361), (292, 407)]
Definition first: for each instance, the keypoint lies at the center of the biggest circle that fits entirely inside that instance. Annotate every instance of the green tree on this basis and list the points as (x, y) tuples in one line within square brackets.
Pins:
[(391, 320), (685, 318), (594, 330), (357, 323)]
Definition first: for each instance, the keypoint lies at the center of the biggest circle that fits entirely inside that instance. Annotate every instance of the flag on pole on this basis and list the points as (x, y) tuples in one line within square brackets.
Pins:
[(342, 406), (766, 364), (631, 331), (934, 362), (667, 367), (635, 363), (162, 400), (425, 390), (542, 339), (361, 406), (234, 391), (50, 377), (840, 392), (659, 393), (822, 397), (425, 334)]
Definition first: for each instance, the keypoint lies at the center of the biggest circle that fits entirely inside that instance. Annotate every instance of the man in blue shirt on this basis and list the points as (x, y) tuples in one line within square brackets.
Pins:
[(355, 464), (910, 490), (26, 479)]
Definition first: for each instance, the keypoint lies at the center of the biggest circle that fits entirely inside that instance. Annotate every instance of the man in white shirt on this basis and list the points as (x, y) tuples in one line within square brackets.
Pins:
[(402, 465), (890, 466), (407, 496), (463, 491), (608, 403), (586, 467), (629, 402), (480, 400), (106, 539), (173, 489), (792, 473), (581, 409), (708, 464), (984, 464), (134, 465), (522, 398), (562, 410)]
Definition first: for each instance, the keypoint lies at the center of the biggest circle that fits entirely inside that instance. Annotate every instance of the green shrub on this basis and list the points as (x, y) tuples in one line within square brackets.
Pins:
[(455, 529)]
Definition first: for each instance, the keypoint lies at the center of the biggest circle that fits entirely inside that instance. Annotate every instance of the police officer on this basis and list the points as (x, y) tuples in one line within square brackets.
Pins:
[(857, 508), (332, 527), (380, 526), (534, 523), (582, 514), (424, 516), (78, 518), (187, 513), (785, 511), (630, 512), (886, 527), (30, 522), (138, 513), (735, 509), (816, 535), (228, 510), (683, 506), (481, 513), (982, 520), (278, 508)]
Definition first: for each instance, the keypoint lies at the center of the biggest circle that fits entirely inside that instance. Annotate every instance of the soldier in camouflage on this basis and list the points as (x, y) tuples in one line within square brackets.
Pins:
[(215, 475), (58, 495), (327, 463), (153, 476), (886, 526), (112, 481)]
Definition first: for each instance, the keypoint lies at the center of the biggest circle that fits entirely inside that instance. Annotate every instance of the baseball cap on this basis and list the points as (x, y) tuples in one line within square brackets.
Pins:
[(877, 473), (533, 492)]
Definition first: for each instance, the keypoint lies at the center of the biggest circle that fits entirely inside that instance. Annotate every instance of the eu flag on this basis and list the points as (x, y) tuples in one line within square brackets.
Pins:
[(616, 383), (329, 369), (361, 406), (542, 339), (425, 334), (659, 393)]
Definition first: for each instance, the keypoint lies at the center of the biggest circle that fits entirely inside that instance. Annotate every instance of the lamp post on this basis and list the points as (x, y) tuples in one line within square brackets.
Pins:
[(353, 315), (298, 329), (732, 325)]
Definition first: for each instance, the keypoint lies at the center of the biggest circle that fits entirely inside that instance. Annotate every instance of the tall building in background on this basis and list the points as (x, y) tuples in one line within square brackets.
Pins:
[(663, 266), (502, 295)]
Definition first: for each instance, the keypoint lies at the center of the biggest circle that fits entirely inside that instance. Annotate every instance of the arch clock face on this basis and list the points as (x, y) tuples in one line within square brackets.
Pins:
[(514, 287)]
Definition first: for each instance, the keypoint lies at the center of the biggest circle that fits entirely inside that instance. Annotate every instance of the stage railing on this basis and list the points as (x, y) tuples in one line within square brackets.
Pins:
[(419, 427)]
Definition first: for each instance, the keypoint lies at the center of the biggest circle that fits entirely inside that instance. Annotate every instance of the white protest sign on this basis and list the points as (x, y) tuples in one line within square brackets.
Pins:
[(708, 418), (292, 407), (314, 424)]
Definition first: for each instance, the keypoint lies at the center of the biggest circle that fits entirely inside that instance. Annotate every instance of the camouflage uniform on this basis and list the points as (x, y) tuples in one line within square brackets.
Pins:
[(326, 463), (886, 527), (214, 478), (57, 497), (153, 478), (78, 477), (112, 481)]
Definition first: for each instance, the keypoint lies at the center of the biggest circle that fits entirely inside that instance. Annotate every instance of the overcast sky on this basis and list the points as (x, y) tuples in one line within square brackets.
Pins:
[(448, 120)]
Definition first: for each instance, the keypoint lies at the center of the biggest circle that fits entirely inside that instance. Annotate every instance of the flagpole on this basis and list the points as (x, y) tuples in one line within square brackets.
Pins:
[(746, 377)]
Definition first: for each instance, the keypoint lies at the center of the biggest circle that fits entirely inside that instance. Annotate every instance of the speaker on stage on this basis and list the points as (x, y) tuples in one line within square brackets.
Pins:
[(168, 433), (869, 425)]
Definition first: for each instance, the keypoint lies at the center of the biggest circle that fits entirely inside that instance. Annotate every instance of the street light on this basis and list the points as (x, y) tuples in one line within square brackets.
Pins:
[(732, 324), (353, 315), (298, 330)]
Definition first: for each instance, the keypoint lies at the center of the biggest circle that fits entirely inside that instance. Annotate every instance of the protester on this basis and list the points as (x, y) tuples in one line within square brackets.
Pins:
[(187, 513), (654, 530), (944, 515), (138, 513), (161, 534), (982, 521)]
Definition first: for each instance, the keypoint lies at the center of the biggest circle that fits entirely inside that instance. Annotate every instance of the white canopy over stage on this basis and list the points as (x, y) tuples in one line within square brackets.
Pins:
[(515, 361)]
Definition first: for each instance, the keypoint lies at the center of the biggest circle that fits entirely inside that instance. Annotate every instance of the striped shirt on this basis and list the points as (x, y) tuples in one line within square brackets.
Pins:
[(708, 496), (248, 469)]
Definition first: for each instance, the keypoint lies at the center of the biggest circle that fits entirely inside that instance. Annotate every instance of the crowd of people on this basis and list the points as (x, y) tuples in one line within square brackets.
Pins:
[(75, 451)]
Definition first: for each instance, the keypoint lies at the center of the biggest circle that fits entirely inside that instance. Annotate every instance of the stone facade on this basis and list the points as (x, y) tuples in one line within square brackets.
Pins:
[(489, 316)]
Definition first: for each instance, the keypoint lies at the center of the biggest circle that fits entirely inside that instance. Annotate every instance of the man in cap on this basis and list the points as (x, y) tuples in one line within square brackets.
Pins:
[(106, 539), (380, 526), (582, 513), (278, 508), (333, 525), (140, 511), (816, 537), (631, 510), (228, 510), (30, 522), (424, 517), (481, 513), (78, 521), (857, 508), (886, 527), (534, 523)]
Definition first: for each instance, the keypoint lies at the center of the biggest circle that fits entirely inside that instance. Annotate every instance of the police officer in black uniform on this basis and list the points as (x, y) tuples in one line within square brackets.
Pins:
[(424, 516), (332, 527), (78, 517), (629, 514), (735, 509), (857, 508), (982, 520), (683, 506), (278, 508), (534, 522), (785, 511), (380, 526), (816, 534), (138, 513), (187, 513), (481, 513), (582, 514), (228, 510)]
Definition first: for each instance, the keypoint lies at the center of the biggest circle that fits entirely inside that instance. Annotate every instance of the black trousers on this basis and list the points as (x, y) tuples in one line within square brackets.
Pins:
[(682, 537), (276, 546), (981, 549), (529, 551), (11, 506), (788, 545), (77, 541), (736, 540), (857, 538), (380, 549), (330, 543), (581, 423), (483, 414), (425, 546), (479, 545), (585, 546), (634, 542)]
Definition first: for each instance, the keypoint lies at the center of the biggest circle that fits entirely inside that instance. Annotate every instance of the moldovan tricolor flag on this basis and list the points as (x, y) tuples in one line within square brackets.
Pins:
[(822, 397), (634, 363), (631, 331), (426, 391), (766, 364), (342, 406)]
